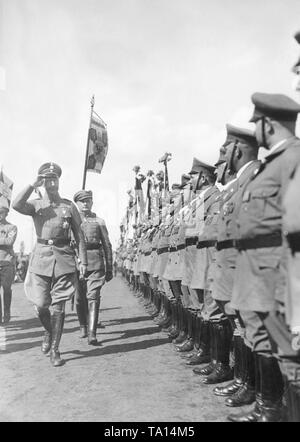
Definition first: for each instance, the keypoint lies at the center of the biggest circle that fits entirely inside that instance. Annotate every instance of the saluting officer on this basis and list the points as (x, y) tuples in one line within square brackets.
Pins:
[(8, 234), (261, 254), (99, 270), (51, 277)]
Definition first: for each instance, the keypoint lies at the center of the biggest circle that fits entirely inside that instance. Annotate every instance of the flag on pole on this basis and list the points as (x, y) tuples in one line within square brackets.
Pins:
[(97, 144), (6, 187)]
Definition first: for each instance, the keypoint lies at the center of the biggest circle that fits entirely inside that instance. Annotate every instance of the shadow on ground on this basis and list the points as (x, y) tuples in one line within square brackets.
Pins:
[(113, 349)]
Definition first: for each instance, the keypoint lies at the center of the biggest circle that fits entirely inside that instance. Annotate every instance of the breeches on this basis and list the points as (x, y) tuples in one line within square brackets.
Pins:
[(232, 315), (7, 276), (90, 287), (211, 311), (256, 334), (43, 291)]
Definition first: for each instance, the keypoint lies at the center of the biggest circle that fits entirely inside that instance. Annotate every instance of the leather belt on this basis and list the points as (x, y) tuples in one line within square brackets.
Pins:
[(191, 241), (147, 253), (259, 242), (93, 246), (172, 249), (4, 247), (294, 241), (181, 247), (54, 242), (154, 249), (162, 250), (206, 244), (227, 244)]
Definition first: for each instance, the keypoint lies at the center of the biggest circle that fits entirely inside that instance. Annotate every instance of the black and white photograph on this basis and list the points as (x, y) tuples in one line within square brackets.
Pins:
[(150, 214)]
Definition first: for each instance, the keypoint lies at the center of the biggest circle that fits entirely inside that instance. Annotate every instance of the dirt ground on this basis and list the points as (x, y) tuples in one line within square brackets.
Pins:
[(134, 375)]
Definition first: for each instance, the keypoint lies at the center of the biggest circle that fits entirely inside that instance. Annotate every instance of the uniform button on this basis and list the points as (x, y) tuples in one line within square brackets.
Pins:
[(50, 242)]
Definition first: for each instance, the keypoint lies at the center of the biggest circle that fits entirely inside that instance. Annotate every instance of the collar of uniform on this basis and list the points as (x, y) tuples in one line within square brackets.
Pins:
[(242, 169), (223, 187), (249, 171), (278, 148)]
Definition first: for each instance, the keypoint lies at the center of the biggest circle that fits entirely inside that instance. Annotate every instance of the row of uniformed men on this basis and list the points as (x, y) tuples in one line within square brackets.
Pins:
[(224, 270), (72, 255)]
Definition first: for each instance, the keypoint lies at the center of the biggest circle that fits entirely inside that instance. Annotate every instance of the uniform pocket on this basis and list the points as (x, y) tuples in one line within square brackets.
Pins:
[(269, 258), (267, 202)]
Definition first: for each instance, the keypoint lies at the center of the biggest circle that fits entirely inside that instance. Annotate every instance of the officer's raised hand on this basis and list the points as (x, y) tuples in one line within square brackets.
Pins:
[(38, 182)]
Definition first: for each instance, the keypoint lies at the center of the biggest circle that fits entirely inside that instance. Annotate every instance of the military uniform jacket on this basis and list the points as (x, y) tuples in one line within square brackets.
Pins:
[(231, 201), (53, 221), (8, 234), (98, 246), (211, 216), (195, 215), (261, 214), (261, 209)]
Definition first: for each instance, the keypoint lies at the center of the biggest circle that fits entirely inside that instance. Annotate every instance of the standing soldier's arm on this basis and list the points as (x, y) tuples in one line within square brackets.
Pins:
[(107, 249), (10, 238), (79, 238), (21, 203)]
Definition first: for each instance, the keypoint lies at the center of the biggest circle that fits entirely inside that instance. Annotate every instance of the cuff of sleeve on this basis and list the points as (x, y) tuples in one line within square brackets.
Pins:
[(296, 330)]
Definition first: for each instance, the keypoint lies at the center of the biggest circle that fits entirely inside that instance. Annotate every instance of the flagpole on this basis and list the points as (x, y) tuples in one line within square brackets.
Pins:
[(87, 144)]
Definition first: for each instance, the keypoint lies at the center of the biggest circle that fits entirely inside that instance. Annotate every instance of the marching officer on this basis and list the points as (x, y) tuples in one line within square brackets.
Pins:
[(99, 270), (51, 276), (8, 234), (261, 254)]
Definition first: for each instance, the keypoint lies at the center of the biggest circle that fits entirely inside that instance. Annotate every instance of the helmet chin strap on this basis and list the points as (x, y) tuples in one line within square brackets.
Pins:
[(198, 187), (230, 165), (263, 131), (221, 175)]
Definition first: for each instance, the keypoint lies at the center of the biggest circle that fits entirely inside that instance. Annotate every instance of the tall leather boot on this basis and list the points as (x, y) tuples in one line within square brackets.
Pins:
[(271, 389), (195, 335), (158, 304), (7, 295), (222, 372), (93, 319), (188, 344), (254, 414), (176, 329), (196, 331), (45, 318), (292, 397), (57, 324), (203, 354), (82, 314), (233, 387), (208, 369), (162, 306), (183, 327), (166, 321), (162, 313), (246, 393)]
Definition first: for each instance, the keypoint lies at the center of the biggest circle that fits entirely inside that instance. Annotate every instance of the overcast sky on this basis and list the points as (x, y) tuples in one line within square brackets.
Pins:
[(167, 76)]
